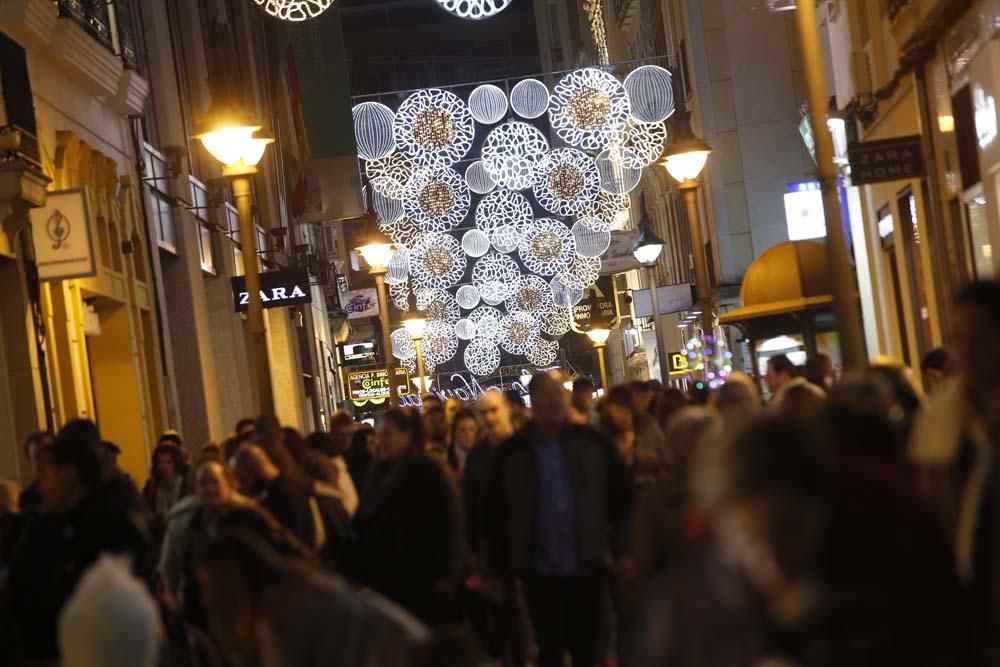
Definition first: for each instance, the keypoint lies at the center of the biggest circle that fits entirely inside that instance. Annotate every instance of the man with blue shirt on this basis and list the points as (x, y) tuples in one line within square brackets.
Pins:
[(556, 503)]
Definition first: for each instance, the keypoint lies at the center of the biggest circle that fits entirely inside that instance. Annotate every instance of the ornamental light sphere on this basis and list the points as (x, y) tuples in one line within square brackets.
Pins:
[(373, 130), (390, 175), (506, 238), (399, 266), (388, 209), (488, 321), (495, 275), (531, 295), (465, 329), (400, 295), (438, 305), (502, 208), (481, 357), (568, 182), (295, 10), (543, 352), (520, 331), (588, 108), (511, 152), (651, 93), (474, 9), (433, 128), (437, 260), (592, 236), (440, 343), (582, 274), (438, 200), (529, 98), (618, 175), (564, 296), (475, 243), (467, 296), (645, 140), (479, 179), (402, 344), (556, 322), (488, 104), (547, 247), (402, 232)]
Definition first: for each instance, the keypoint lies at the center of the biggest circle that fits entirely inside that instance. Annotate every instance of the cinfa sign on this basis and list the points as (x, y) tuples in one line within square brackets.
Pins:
[(277, 289)]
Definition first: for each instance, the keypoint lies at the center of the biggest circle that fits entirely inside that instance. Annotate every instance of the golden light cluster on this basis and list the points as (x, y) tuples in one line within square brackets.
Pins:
[(438, 261), (547, 246), (436, 199), (589, 108), (566, 181), (433, 129)]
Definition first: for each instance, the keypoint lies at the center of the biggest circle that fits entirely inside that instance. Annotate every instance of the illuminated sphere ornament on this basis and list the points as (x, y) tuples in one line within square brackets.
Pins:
[(529, 98), (433, 128), (612, 209), (502, 214), (495, 275), (547, 247), (568, 182), (582, 274), (531, 295), (645, 140), (373, 133), (651, 93), (390, 175), (511, 153), (479, 179), (438, 305), (440, 343), (481, 357), (520, 332), (556, 321), (402, 232), (488, 321), (474, 9), (506, 238), (588, 109), (564, 296), (438, 200), (402, 344), (399, 266), (295, 10), (488, 104), (388, 209), (437, 260), (543, 352), (467, 296), (465, 329), (618, 171), (592, 235), (475, 243)]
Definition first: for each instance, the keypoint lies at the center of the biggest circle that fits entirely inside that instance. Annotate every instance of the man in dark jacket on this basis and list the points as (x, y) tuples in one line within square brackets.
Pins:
[(556, 502), (76, 524)]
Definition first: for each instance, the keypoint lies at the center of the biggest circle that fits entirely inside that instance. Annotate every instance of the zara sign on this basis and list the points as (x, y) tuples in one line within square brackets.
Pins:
[(277, 288)]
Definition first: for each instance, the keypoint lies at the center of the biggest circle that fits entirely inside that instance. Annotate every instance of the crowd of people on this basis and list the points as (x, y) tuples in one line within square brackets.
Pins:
[(846, 520)]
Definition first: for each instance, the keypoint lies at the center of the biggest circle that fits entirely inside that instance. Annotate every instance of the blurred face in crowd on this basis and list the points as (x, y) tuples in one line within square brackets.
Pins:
[(776, 379), (583, 400), (212, 486), (435, 425), (393, 442), (341, 435), (977, 350), (165, 467), (59, 486), (496, 414), (466, 433), (642, 397), (549, 402), (451, 406)]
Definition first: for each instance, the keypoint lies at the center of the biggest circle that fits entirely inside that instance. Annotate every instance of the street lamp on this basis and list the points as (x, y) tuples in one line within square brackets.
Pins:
[(647, 250), (600, 339), (415, 323), (684, 158), (229, 138), (377, 252)]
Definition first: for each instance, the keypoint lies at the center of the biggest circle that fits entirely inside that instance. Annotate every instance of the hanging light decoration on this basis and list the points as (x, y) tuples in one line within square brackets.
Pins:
[(502, 215), (481, 357), (612, 209), (465, 329), (475, 243), (400, 295), (547, 247), (543, 352), (592, 236), (373, 130), (488, 321), (390, 175), (438, 305), (529, 98), (584, 272), (568, 182), (556, 322), (399, 265), (531, 295), (650, 91), (439, 343), (402, 232), (646, 141), (511, 152), (488, 104), (402, 344), (467, 296), (388, 209), (618, 175), (438, 200), (588, 108), (437, 260), (564, 296), (433, 128), (474, 9), (520, 332), (479, 179), (495, 275)]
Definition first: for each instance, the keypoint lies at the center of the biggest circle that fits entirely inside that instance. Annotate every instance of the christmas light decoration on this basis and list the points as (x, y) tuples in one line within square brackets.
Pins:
[(495, 275), (433, 128), (465, 329), (547, 247), (651, 93), (506, 238), (520, 332), (481, 357), (488, 104), (564, 296), (399, 293), (531, 295), (502, 208), (646, 140), (402, 344), (529, 98), (388, 209), (402, 232), (373, 135), (543, 352), (467, 296), (556, 322), (479, 179), (438, 200), (511, 152), (439, 343), (488, 321), (616, 176), (390, 175), (612, 209), (399, 265), (474, 9), (588, 109), (583, 273), (475, 243), (438, 305), (568, 182), (437, 260), (592, 236)]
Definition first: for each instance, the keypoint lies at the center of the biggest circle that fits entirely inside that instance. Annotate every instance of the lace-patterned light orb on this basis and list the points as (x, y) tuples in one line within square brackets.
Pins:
[(478, 179), (564, 296), (399, 266), (438, 305), (440, 343), (390, 176), (488, 321), (373, 130), (547, 247), (568, 182), (388, 209), (495, 275), (475, 243), (481, 357), (511, 153), (651, 93), (467, 296), (399, 293), (543, 353), (584, 273), (438, 200), (532, 295), (592, 236), (529, 98), (502, 208), (474, 9), (488, 104), (520, 332), (556, 321), (588, 108), (618, 175), (612, 209), (645, 140), (411, 366), (465, 329), (402, 344), (437, 260), (506, 238), (402, 232), (433, 128), (295, 10)]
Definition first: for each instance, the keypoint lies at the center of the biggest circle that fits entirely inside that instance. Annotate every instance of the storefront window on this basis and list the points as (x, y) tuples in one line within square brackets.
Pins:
[(886, 230), (981, 250), (910, 226)]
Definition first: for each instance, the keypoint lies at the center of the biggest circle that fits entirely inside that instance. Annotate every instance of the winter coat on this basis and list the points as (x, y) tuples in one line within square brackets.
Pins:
[(600, 487), (475, 480)]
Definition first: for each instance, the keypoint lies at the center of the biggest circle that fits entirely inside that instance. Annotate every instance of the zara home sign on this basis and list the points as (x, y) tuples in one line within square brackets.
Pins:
[(277, 289)]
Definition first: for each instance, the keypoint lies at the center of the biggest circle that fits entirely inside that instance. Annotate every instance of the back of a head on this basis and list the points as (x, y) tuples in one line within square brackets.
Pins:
[(244, 425), (687, 429), (241, 565), (670, 401), (861, 414), (738, 393), (983, 295), (936, 360), (111, 620), (411, 422), (78, 453), (818, 367), (801, 400), (81, 429), (780, 363), (583, 386), (266, 429), (325, 443)]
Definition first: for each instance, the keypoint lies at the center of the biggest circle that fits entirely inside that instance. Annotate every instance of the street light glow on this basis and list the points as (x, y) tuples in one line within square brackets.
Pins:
[(686, 166), (377, 255), (599, 336), (230, 144), (647, 253), (415, 325)]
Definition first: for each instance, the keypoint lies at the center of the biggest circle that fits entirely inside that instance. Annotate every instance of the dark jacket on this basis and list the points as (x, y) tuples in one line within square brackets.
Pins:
[(475, 480), (600, 487), (407, 535), (287, 500)]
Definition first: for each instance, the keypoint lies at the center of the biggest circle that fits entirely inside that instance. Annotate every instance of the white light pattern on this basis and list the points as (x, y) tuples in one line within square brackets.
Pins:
[(547, 247), (495, 275), (400, 295), (475, 243), (388, 209), (543, 352), (402, 344), (588, 108), (434, 128), (437, 260), (402, 232), (479, 179), (520, 332), (531, 295), (467, 296), (481, 357), (474, 9), (646, 141), (651, 93), (529, 98), (438, 305), (390, 175), (616, 166), (506, 238), (488, 104), (295, 10), (612, 209), (568, 182), (592, 235), (511, 153), (556, 321), (465, 329), (502, 208), (399, 266), (488, 321), (440, 343), (584, 273), (438, 200), (564, 296), (373, 130)]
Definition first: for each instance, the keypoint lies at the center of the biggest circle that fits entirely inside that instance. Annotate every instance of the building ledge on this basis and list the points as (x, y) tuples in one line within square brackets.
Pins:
[(29, 22), (22, 187)]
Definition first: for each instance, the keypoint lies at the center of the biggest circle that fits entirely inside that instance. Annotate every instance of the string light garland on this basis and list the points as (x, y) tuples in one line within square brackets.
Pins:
[(437, 260), (488, 104), (529, 98), (568, 182), (588, 108), (511, 153), (547, 247), (373, 134), (438, 200), (650, 92), (474, 9), (592, 236), (433, 128), (479, 179)]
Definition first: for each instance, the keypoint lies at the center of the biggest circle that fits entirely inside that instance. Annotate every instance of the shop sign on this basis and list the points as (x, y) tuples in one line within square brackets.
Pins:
[(679, 364), (277, 289), (358, 354), (673, 299), (373, 385), (598, 309), (361, 303), (63, 236), (886, 160)]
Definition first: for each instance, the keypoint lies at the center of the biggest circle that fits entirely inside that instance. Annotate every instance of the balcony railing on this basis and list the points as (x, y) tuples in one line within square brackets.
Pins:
[(110, 22)]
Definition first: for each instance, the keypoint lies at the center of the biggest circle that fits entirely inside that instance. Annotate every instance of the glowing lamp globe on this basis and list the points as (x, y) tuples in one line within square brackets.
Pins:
[(685, 154), (647, 253), (648, 246), (231, 142), (686, 166), (377, 255), (599, 336), (415, 325)]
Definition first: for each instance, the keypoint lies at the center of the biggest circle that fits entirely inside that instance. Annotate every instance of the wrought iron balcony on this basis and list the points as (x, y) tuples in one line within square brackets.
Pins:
[(108, 21)]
